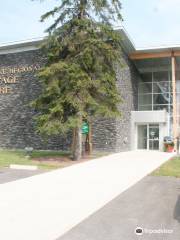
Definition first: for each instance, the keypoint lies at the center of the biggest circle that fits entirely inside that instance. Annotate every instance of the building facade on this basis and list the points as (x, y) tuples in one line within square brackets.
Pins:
[(148, 82)]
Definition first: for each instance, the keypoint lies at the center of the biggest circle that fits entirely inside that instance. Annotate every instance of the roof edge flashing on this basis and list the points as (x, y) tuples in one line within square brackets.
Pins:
[(20, 46), (32, 44)]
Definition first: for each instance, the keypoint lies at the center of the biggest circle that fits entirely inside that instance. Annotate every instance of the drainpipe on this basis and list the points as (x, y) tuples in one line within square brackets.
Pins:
[(173, 64)]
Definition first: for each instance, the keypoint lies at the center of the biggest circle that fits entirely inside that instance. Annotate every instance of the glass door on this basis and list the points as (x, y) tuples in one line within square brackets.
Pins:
[(148, 137), (153, 137), (142, 137)]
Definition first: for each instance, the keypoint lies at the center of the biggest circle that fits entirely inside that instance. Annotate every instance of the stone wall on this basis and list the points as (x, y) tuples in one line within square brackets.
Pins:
[(16, 117), (128, 78), (115, 135)]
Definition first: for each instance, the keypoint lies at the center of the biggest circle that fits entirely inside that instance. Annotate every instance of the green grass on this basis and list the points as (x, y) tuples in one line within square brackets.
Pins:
[(43, 159), (38, 154), (8, 157), (170, 168)]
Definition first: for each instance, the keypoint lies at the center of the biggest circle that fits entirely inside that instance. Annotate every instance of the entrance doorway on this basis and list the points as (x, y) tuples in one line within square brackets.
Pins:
[(148, 137)]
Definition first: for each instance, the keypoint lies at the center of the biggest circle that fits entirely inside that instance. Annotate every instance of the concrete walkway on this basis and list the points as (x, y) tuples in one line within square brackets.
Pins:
[(46, 206)]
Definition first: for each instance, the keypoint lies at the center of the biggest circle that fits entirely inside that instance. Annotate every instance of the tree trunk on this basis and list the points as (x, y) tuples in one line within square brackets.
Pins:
[(90, 138), (77, 145), (82, 7)]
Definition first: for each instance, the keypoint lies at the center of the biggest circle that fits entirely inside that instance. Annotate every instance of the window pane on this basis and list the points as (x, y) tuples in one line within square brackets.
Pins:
[(178, 75), (161, 87), (153, 125), (145, 108), (163, 98), (178, 124), (153, 144), (161, 107), (178, 86), (178, 120), (145, 99), (146, 77), (171, 98), (178, 109), (154, 132), (145, 88), (142, 137), (170, 76), (160, 76), (170, 86), (178, 98), (158, 92)]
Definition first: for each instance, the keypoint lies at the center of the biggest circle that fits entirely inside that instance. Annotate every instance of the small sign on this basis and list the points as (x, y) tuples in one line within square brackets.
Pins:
[(152, 134), (85, 128)]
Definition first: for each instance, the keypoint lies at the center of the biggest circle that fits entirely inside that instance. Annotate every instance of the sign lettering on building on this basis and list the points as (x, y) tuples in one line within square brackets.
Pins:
[(10, 76)]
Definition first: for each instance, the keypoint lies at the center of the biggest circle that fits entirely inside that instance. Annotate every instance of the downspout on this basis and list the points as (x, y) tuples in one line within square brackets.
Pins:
[(173, 64)]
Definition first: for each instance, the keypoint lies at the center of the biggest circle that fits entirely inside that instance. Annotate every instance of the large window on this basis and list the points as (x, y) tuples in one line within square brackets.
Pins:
[(155, 91)]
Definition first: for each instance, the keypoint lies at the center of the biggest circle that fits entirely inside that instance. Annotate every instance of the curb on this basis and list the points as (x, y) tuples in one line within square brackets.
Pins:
[(23, 167)]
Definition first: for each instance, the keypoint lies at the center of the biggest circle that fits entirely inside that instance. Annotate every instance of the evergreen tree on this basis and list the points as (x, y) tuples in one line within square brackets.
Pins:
[(79, 79)]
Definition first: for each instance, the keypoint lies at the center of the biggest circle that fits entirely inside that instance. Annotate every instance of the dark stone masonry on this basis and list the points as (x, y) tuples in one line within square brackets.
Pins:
[(16, 116), (115, 135), (19, 86)]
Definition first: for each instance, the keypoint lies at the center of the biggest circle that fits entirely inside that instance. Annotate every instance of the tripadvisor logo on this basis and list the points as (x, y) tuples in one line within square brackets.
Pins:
[(139, 231)]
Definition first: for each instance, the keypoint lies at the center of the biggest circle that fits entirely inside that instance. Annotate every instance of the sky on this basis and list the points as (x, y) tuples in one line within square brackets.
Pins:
[(148, 22), (152, 22)]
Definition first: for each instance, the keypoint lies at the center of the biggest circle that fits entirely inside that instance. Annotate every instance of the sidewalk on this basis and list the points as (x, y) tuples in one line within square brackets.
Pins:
[(44, 207)]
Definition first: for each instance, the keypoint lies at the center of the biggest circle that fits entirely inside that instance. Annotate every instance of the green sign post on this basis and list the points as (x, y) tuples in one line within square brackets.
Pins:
[(85, 128)]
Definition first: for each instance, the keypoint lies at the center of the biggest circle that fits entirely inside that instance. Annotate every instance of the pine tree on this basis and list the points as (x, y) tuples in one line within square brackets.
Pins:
[(79, 79)]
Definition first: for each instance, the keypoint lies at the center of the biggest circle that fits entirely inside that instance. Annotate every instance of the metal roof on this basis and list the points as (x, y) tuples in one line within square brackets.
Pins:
[(127, 44), (32, 44), (20, 46)]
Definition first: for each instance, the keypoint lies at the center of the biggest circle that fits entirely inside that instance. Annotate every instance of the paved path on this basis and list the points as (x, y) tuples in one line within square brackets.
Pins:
[(46, 206), (152, 204), (9, 175)]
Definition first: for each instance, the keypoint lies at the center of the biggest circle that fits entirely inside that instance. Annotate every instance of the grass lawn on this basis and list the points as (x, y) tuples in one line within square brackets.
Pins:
[(43, 159), (170, 168)]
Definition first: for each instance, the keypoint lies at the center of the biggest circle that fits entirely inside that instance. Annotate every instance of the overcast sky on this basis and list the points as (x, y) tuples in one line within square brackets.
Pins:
[(148, 22)]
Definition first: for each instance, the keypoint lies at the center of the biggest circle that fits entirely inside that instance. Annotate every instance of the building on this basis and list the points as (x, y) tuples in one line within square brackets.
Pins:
[(148, 81)]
